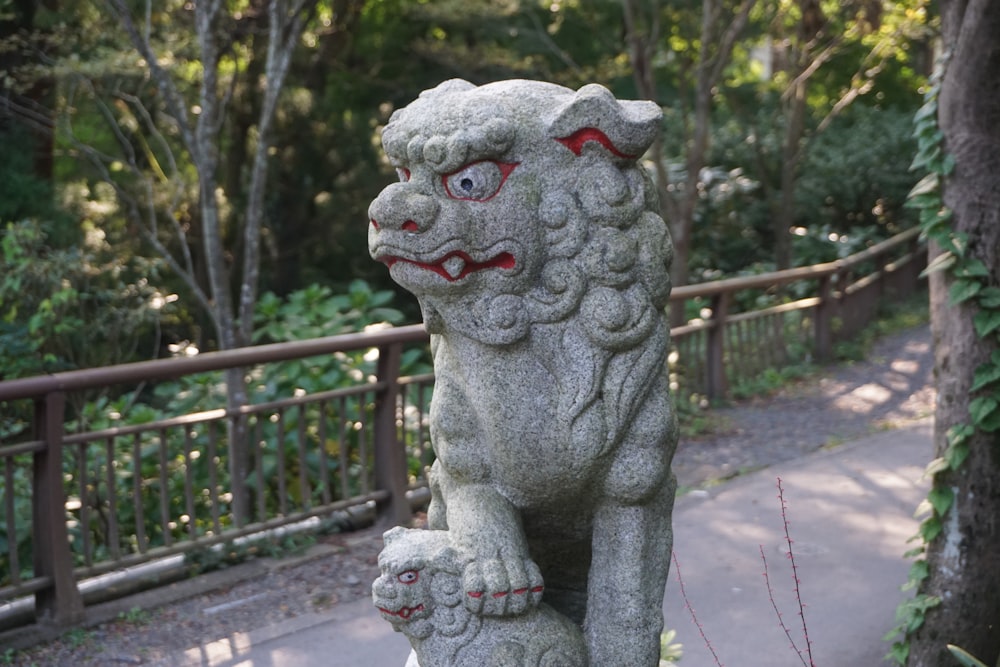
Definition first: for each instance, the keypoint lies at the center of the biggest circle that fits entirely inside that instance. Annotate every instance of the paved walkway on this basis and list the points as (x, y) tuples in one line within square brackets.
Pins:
[(849, 510)]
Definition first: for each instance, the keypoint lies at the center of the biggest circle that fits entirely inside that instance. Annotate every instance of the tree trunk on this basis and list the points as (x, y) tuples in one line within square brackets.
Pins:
[(232, 318), (720, 28), (791, 151), (965, 559)]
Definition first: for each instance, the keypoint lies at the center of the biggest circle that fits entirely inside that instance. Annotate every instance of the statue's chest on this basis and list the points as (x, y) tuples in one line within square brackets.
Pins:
[(504, 420)]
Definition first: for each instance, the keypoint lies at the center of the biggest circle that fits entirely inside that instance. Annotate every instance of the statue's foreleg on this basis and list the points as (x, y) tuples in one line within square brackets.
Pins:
[(500, 578), (628, 573)]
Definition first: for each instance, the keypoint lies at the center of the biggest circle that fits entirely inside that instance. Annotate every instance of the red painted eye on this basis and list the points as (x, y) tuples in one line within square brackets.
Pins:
[(408, 577), (404, 174), (478, 181)]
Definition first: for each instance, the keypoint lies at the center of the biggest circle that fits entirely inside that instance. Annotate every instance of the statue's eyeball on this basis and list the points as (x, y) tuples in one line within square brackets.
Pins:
[(404, 174), (408, 577), (478, 181)]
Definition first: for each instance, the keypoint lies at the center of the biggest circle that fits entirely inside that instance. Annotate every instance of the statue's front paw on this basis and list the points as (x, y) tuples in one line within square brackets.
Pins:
[(501, 586)]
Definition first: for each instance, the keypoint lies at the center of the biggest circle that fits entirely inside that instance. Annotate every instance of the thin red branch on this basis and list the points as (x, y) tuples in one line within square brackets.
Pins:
[(777, 612), (795, 575), (694, 617)]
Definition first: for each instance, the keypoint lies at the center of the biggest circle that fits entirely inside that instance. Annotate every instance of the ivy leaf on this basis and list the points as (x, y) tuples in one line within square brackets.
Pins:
[(956, 243), (959, 434), (939, 464), (931, 528), (926, 112), (992, 423), (926, 185), (963, 290), (942, 498), (925, 200), (982, 408), (927, 140), (984, 375), (956, 454), (948, 164), (973, 268), (965, 658), (933, 219), (989, 297), (920, 570), (986, 322), (940, 263), (900, 651)]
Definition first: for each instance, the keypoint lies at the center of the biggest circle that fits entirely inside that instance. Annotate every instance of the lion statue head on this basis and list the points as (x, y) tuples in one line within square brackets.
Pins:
[(522, 203)]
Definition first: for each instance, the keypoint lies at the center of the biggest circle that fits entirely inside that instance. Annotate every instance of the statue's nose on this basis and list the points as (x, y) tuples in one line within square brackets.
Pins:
[(401, 207)]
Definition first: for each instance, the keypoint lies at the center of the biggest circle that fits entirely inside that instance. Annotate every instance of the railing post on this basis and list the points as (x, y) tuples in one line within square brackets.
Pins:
[(824, 319), (716, 384), (59, 603), (390, 458)]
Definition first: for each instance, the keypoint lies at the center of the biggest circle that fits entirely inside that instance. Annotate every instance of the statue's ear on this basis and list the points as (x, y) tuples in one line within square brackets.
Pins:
[(393, 534), (449, 86), (625, 128)]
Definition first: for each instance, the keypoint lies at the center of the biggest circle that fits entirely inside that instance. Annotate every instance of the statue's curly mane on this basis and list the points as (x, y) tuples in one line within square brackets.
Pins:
[(607, 275)]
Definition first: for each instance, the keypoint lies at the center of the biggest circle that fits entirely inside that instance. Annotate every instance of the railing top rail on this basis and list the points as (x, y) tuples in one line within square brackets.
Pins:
[(162, 369), (790, 275)]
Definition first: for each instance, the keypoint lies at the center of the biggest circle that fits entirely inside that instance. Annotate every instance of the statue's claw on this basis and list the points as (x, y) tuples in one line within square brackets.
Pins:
[(502, 586)]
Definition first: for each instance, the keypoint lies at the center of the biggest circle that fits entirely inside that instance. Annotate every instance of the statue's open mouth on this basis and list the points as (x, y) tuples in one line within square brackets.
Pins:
[(405, 613), (456, 265)]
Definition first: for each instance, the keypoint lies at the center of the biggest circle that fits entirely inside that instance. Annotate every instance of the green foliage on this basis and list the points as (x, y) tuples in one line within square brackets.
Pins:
[(854, 174), (63, 307), (970, 285), (910, 615), (315, 311), (194, 459), (769, 380), (23, 194), (965, 659), (135, 615), (850, 191), (670, 650), (76, 306)]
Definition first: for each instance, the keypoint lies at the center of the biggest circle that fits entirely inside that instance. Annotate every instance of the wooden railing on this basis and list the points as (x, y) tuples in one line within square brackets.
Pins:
[(101, 500), (726, 347)]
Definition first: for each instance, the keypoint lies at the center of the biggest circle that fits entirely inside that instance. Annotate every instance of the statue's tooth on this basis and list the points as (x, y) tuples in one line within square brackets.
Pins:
[(454, 266)]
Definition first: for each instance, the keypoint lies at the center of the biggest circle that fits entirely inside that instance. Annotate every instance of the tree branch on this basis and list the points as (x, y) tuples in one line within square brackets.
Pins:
[(175, 104)]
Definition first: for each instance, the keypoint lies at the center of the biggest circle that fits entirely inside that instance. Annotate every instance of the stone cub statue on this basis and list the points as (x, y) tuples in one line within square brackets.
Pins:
[(531, 236), (420, 593)]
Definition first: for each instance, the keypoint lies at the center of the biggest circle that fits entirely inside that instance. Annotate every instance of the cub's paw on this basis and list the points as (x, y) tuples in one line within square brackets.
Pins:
[(501, 586)]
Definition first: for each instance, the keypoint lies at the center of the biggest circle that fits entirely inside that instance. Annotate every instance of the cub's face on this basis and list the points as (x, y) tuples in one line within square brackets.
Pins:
[(402, 592)]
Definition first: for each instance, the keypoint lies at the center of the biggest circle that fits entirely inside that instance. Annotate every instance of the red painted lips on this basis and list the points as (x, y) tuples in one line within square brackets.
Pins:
[(405, 613), (456, 265)]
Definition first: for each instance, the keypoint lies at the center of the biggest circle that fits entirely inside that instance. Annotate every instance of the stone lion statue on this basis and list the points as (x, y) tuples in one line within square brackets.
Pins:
[(420, 593), (532, 241)]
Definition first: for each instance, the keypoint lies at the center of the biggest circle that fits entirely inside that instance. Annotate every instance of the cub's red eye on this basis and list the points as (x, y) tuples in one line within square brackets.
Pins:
[(404, 174), (478, 181), (408, 577)]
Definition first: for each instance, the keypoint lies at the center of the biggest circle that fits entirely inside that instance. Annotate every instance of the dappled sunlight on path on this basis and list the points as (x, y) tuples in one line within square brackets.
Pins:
[(891, 387)]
